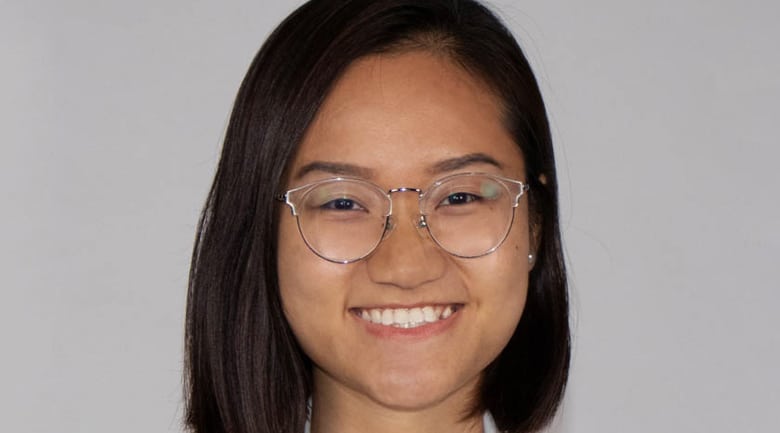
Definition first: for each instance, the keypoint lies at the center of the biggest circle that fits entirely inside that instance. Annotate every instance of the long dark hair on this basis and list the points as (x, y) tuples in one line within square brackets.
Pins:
[(245, 372)]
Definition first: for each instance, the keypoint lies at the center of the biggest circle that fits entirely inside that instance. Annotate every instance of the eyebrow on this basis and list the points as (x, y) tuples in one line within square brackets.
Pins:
[(343, 169), (460, 162), (336, 168)]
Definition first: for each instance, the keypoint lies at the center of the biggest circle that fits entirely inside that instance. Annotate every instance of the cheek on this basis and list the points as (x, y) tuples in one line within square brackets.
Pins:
[(311, 289), (511, 258), (506, 274), (293, 273), (509, 282), (287, 254), (509, 300)]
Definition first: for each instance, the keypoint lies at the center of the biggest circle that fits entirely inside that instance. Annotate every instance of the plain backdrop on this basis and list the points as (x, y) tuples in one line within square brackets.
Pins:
[(665, 116)]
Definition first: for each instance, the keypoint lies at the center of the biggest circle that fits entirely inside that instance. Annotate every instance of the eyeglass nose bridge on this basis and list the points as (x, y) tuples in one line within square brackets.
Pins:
[(421, 223), (405, 189)]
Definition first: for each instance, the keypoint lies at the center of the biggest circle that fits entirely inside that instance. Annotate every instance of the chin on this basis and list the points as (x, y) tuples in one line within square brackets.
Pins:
[(411, 393)]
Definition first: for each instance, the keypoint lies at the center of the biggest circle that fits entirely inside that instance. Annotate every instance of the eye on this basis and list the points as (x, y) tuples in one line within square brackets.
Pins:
[(459, 198), (342, 204)]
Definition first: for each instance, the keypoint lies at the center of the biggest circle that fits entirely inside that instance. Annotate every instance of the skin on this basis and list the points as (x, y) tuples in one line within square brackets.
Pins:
[(395, 117)]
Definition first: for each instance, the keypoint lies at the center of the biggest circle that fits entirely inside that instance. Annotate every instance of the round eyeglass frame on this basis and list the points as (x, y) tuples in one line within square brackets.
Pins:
[(519, 188)]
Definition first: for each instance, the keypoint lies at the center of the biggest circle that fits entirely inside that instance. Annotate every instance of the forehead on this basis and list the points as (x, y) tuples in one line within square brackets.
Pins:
[(399, 113)]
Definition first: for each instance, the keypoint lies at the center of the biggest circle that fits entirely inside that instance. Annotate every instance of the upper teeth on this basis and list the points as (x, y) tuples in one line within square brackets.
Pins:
[(406, 317)]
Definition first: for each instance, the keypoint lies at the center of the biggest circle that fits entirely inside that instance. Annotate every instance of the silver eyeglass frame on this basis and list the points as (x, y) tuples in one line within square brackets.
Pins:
[(519, 188)]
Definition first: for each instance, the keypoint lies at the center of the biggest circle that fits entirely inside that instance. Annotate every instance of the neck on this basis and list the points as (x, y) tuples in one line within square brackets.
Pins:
[(342, 410)]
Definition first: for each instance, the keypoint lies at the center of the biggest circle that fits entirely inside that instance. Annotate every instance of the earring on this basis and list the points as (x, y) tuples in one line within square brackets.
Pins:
[(531, 258)]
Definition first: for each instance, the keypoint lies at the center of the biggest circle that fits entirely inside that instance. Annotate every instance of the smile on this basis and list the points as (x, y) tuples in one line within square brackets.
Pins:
[(407, 317)]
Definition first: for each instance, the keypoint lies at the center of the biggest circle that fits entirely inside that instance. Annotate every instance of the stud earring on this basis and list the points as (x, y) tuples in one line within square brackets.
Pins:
[(531, 258)]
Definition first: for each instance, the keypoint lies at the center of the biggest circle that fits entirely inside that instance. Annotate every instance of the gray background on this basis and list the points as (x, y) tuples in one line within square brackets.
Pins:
[(666, 123)]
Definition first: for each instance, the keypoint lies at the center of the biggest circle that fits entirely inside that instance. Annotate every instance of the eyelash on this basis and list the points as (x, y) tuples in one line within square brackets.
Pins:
[(333, 205), (469, 198)]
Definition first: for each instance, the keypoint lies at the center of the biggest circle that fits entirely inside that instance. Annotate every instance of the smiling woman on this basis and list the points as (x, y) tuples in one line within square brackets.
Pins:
[(399, 117), (414, 280)]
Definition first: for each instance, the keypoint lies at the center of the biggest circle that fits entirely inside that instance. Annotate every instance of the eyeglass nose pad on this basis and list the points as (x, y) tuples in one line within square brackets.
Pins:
[(422, 226), (390, 224), (422, 223)]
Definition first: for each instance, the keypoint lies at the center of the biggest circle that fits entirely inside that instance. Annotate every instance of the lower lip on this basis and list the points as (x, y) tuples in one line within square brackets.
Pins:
[(423, 331)]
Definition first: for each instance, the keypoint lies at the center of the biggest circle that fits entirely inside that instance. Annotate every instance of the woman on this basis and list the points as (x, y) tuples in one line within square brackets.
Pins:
[(380, 248)]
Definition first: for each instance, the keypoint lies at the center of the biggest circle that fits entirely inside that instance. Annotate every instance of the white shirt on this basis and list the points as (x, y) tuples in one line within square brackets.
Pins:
[(488, 424)]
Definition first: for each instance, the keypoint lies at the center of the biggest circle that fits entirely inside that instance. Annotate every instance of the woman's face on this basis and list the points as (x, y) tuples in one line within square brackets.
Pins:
[(394, 120)]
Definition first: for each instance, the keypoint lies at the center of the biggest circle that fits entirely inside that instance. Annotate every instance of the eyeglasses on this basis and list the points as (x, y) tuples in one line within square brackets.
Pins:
[(344, 219)]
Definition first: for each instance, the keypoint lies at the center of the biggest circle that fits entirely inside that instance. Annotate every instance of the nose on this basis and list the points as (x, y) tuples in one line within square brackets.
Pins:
[(406, 258)]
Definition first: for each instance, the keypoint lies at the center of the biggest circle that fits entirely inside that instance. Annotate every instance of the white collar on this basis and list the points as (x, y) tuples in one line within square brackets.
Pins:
[(488, 424)]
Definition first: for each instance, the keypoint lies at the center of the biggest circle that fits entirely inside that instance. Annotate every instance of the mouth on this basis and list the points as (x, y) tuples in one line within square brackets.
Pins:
[(407, 318)]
